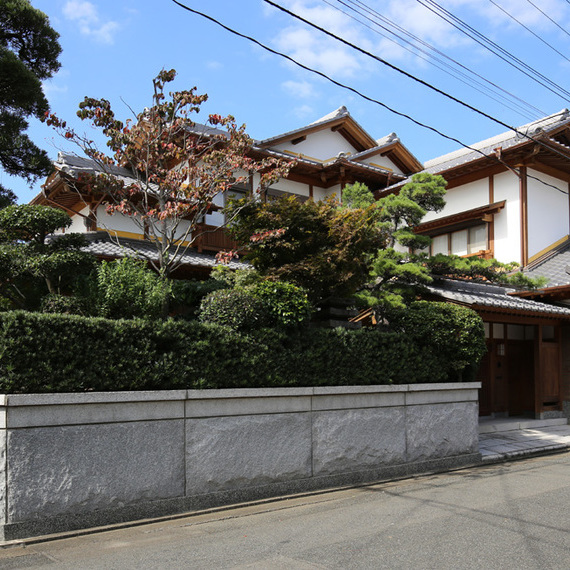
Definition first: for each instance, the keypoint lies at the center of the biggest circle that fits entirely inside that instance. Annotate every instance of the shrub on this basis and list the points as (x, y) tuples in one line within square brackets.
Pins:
[(187, 295), (127, 289), (63, 304), (47, 353), (451, 337), (287, 305), (235, 308)]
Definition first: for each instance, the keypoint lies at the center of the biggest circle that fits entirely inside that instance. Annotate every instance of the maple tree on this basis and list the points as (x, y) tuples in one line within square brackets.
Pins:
[(164, 170)]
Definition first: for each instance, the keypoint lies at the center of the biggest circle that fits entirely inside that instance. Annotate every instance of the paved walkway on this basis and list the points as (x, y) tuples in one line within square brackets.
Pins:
[(501, 439)]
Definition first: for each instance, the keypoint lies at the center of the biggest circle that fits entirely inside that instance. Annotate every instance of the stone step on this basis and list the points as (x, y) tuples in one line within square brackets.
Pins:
[(492, 425)]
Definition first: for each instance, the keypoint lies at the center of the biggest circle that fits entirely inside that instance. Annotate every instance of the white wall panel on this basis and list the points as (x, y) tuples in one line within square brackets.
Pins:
[(548, 211)]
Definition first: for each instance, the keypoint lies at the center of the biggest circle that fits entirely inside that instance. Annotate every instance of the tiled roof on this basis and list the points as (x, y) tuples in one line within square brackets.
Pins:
[(487, 147), (555, 267), (491, 296), (101, 244), (336, 114), (504, 140)]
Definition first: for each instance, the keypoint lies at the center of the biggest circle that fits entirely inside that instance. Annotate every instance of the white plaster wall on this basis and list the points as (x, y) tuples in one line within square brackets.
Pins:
[(332, 191), (121, 223), (462, 198), (292, 187), (116, 222), (78, 223), (382, 161), (507, 221), (548, 211), (322, 145)]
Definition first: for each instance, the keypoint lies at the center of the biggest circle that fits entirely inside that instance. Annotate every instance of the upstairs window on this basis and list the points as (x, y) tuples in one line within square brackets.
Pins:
[(468, 241)]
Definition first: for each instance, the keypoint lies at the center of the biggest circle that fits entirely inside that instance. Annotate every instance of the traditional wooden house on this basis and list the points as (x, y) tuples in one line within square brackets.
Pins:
[(508, 198), (328, 154)]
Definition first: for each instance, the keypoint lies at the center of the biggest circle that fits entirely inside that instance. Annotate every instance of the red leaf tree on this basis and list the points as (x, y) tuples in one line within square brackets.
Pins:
[(176, 167)]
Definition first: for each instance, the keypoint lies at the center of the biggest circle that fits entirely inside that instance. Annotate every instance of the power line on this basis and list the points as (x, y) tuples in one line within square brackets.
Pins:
[(366, 97), (459, 64), (495, 48), (409, 75), (548, 17), (456, 73), (537, 36)]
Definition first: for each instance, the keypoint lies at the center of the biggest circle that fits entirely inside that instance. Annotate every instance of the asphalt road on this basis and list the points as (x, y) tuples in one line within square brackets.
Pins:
[(514, 515)]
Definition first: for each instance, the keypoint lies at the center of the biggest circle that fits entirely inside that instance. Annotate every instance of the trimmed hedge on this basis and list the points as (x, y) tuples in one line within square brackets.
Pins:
[(70, 353)]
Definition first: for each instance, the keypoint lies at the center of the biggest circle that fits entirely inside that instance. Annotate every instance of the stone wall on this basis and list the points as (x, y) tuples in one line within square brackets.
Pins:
[(72, 461), (565, 377)]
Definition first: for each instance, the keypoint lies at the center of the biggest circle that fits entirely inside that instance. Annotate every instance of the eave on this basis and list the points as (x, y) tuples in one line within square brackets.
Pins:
[(345, 125), (462, 219)]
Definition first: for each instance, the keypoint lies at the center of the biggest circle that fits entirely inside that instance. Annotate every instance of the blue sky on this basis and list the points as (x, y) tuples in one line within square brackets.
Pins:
[(113, 49)]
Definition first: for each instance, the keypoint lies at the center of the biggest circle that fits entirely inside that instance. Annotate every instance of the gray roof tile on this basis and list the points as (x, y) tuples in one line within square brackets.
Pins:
[(492, 296), (555, 267), (101, 244)]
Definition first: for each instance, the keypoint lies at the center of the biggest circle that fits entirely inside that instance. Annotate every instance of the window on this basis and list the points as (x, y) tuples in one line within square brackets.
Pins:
[(462, 242)]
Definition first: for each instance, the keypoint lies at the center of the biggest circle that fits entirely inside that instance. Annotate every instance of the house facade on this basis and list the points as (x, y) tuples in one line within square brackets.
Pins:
[(508, 198), (329, 153)]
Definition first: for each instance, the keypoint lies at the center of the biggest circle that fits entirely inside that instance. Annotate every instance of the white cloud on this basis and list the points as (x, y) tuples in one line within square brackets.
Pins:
[(51, 89), (324, 54), (303, 111), (90, 24), (214, 64), (300, 89)]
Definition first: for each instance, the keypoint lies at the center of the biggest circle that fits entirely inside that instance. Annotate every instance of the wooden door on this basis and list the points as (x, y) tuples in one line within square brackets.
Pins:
[(521, 376)]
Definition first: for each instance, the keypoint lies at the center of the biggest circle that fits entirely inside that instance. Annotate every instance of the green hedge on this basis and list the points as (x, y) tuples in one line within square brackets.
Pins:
[(70, 353)]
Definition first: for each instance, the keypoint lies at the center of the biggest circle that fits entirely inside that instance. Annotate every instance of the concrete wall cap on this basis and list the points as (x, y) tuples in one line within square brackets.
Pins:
[(93, 397), (247, 393), (443, 386)]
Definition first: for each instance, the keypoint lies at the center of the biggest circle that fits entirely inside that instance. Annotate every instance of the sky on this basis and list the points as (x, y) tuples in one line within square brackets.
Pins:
[(112, 49)]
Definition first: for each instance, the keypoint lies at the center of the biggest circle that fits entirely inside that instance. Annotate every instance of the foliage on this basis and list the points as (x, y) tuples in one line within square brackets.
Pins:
[(286, 304), (188, 294), (126, 288), (315, 245), (482, 269), (357, 195), (31, 223), (63, 304), (448, 335), (237, 309), (401, 213), (176, 168), (29, 51), (32, 261), (47, 353)]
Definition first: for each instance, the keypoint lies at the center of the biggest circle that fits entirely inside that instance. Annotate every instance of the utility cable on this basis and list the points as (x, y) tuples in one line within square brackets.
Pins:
[(366, 97), (548, 17), (436, 50), (495, 48), (424, 55), (537, 36), (455, 73), (410, 76)]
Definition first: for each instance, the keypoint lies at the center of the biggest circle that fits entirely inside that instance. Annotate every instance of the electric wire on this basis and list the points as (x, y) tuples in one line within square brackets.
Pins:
[(537, 36), (366, 97), (548, 17), (424, 55), (508, 99), (439, 52), (495, 48), (409, 75)]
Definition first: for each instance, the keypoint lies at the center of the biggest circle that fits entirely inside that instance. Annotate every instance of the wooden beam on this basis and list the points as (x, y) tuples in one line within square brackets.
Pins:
[(523, 194)]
